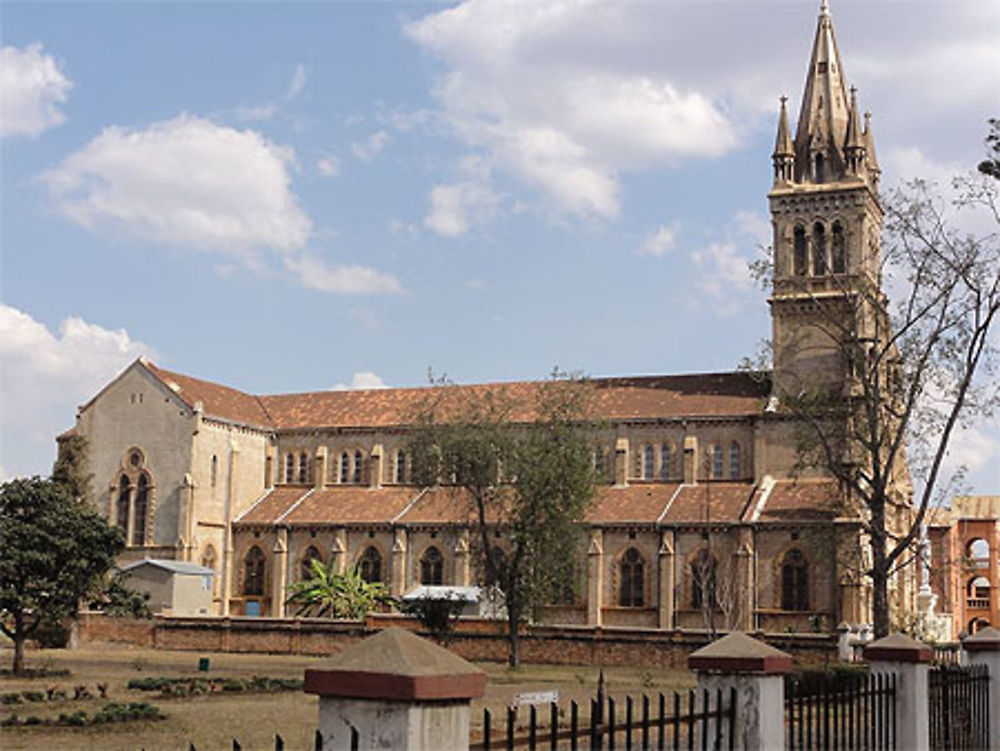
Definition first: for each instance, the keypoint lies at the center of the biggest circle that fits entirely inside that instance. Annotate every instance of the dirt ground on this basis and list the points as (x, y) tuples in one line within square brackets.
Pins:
[(210, 722)]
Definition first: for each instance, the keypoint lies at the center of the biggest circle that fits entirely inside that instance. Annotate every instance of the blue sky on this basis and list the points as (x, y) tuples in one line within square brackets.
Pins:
[(291, 197)]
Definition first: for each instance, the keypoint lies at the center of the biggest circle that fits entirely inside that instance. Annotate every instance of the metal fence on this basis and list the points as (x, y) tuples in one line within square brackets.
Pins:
[(695, 720), (959, 708), (858, 712)]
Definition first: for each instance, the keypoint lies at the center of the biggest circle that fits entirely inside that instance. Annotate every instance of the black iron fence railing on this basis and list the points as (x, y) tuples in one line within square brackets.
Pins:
[(858, 712), (695, 720), (959, 708)]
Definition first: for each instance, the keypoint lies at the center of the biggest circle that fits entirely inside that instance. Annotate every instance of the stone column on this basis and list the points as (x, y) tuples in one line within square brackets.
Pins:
[(375, 466), (319, 468), (755, 670), (983, 648), (666, 583), (338, 551), (395, 690), (909, 660), (745, 585), (595, 578), (463, 574), (691, 459), (279, 573), (397, 582), (621, 461)]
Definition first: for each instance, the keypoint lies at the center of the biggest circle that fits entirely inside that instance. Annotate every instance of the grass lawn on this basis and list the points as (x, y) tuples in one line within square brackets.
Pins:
[(211, 721)]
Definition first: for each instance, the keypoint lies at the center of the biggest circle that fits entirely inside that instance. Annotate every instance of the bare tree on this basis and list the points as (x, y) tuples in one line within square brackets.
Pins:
[(913, 350)]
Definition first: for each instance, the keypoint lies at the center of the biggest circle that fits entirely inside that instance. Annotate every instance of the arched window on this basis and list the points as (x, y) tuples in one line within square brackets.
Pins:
[(735, 463), (359, 463), (303, 467), (664, 462), (432, 567), (400, 466), (215, 469), (978, 551), (977, 593), (717, 462), (800, 259), (311, 554), (647, 462), (631, 587), (370, 565), (121, 507), (290, 467), (253, 572), (820, 169), (839, 249), (794, 581), (819, 249), (345, 468), (703, 580), (977, 623), (140, 510)]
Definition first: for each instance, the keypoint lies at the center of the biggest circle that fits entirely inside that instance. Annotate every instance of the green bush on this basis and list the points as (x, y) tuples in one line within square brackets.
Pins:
[(52, 635), (33, 695), (13, 697)]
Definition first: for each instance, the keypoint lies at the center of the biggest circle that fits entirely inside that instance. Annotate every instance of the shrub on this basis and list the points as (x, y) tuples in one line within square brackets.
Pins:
[(33, 695), (14, 697)]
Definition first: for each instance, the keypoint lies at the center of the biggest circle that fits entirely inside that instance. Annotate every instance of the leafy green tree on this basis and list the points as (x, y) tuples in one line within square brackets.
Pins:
[(54, 553), (327, 593), (71, 468), (116, 598), (526, 465)]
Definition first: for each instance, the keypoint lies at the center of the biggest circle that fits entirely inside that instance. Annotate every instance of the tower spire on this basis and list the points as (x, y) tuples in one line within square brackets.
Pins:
[(854, 149), (823, 117), (784, 152)]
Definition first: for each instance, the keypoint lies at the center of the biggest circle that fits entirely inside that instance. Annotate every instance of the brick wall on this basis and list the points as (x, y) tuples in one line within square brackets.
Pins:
[(473, 639)]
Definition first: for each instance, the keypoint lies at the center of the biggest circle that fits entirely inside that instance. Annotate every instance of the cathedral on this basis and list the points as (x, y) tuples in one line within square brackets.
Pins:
[(704, 512)]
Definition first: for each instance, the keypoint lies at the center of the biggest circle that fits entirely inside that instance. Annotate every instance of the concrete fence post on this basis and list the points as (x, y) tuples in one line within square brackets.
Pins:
[(395, 690), (909, 660), (756, 671), (983, 648)]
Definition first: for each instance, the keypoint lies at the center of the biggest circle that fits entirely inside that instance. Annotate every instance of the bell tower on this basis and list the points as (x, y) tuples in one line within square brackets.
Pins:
[(827, 222)]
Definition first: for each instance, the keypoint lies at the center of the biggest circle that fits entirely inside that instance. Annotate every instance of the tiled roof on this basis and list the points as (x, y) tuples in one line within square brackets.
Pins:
[(709, 502), (441, 506), (217, 400), (642, 397), (633, 503), (271, 505), (351, 505), (802, 498)]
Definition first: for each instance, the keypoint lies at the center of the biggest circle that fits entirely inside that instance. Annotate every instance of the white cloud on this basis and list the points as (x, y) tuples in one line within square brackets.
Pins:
[(297, 83), (723, 267), (361, 380), (328, 166), (661, 241), (186, 182), (31, 89), (46, 375), (532, 86), (348, 280), (370, 148), (455, 207)]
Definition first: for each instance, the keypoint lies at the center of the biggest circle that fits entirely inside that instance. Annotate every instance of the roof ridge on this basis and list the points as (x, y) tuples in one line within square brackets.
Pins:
[(670, 502), (255, 504), (294, 505), (409, 505)]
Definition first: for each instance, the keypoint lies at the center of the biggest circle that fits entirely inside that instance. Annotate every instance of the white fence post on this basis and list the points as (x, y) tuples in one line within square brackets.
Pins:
[(395, 690), (756, 671), (983, 648), (910, 661)]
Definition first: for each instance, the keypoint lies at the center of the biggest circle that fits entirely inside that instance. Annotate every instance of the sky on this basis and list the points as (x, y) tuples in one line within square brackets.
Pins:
[(291, 197)]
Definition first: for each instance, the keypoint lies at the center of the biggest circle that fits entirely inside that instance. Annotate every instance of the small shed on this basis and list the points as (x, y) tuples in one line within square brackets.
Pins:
[(174, 587), (483, 602)]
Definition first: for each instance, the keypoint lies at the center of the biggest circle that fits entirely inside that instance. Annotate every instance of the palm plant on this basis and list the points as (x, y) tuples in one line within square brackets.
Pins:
[(329, 594)]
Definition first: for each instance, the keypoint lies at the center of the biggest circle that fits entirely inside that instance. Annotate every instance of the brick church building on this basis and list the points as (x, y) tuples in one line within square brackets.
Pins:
[(699, 471)]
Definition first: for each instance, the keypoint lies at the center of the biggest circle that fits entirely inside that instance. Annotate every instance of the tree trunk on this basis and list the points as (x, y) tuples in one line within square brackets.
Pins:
[(879, 572), (513, 639), (19, 640)]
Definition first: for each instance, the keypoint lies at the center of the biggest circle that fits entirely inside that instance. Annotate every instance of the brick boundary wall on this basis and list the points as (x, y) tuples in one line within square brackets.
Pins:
[(473, 639)]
